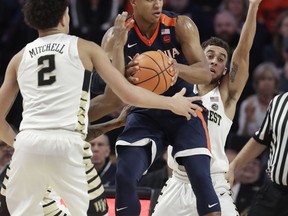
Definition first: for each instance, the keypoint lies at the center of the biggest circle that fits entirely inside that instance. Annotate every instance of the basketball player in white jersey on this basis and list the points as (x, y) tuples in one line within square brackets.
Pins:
[(220, 98), (51, 203), (53, 76)]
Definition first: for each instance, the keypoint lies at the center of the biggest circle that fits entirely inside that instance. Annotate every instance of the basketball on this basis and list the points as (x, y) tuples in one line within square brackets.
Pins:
[(154, 71)]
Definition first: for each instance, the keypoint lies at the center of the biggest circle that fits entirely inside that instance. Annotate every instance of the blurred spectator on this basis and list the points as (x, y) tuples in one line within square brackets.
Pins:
[(247, 181), (80, 12), (203, 19), (101, 17), (208, 5), (283, 84), (253, 108), (269, 11), (5, 154), (225, 27), (239, 9), (14, 35), (5, 157), (274, 52), (100, 147)]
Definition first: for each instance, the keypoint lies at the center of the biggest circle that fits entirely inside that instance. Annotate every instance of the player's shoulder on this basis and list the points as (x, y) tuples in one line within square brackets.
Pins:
[(86, 44), (17, 58), (185, 21)]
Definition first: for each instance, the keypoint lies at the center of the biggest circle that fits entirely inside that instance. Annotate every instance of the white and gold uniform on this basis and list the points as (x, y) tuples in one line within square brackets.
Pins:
[(177, 197), (49, 147)]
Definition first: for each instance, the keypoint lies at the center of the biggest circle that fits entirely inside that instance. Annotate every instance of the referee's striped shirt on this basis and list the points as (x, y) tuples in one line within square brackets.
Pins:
[(274, 134)]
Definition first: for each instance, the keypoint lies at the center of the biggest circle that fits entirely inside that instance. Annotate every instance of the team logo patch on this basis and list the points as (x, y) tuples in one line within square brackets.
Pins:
[(166, 39), (215, 107)]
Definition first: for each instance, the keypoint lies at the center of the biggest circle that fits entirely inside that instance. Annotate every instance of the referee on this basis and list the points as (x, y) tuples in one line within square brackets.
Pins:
[(272, 199)]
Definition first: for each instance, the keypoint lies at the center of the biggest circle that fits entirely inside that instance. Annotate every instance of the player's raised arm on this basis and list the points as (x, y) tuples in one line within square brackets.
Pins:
[(197, 70), (109, 101), (239, 68)]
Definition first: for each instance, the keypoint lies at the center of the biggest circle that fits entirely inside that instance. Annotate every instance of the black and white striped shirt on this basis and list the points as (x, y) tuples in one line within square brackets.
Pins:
[(274, 134)]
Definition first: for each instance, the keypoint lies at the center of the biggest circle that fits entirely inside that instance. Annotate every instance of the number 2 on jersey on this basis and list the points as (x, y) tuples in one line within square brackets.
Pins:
[(46, 70)]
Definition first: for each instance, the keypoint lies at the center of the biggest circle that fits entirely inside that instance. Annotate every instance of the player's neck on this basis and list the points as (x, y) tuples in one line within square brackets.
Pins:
[(205, 88), (51, 31), (146, 29)]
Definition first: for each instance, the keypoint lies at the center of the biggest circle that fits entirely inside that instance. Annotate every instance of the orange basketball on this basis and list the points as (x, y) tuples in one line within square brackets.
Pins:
[(154, 74)]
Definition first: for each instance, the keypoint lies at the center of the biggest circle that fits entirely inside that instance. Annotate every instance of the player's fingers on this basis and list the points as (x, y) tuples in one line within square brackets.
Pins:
[(196, 98), (130, 71), (196, 107), (116, 21), (183, 91), (137, 54), (192, 112), (120, 19), (172, 61), (123, 17), (188, 116), (129, 24), (132, 79), (175, 75), (132, 63)]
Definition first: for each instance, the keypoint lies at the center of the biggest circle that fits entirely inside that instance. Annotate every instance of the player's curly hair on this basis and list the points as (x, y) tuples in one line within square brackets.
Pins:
[(44, 14), (214, 41)]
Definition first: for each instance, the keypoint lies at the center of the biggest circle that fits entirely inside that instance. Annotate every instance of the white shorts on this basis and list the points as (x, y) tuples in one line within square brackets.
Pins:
[(42, 159), (177, 197)]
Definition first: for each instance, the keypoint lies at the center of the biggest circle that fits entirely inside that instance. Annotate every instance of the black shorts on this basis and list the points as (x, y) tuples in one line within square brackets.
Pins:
[(271, 200)]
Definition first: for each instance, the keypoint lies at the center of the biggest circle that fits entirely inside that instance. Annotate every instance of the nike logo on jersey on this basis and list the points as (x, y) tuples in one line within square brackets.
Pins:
[(210, 206), (120, 209), (131, 45)]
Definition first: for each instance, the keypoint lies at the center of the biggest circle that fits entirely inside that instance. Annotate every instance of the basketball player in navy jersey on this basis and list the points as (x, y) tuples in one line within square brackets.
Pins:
[(53, 74), (148, 131), (220, 97)]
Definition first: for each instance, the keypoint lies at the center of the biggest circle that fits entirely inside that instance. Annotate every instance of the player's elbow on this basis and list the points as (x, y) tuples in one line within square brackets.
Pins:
[(134, 96), (130, 98)]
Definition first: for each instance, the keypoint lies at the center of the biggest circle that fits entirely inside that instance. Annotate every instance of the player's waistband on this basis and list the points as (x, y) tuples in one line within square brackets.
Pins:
[(54, 131)]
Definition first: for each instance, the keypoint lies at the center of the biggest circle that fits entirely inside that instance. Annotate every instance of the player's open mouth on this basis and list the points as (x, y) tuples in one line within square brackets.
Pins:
[(157, 14), (212, 70)]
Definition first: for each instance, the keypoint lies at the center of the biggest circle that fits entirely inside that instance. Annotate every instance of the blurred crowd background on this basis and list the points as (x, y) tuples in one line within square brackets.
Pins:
[(222, 18)]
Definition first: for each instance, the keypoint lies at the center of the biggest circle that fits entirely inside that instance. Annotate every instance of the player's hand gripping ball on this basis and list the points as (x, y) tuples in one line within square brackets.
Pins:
[(155, 71)]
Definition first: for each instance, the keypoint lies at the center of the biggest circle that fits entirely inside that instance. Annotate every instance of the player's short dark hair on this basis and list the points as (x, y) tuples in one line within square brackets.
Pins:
[(215, 41), (44, 14)]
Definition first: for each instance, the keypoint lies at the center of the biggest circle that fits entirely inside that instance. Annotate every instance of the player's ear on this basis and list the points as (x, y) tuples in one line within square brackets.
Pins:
[(64, 18), (132, 2), (225, 71)]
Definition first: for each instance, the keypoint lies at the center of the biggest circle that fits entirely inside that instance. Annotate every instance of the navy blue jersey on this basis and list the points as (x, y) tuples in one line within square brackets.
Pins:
[(163, 126), (164, 39)]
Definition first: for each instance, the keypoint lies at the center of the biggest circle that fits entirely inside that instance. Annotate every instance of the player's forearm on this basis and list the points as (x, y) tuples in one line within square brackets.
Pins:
[(250, 151), (7, 134), (118, 60), (197, 73), (107, 126), (103, 105), (249, 28), (102, 128)]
